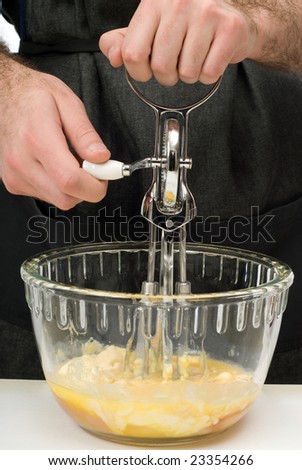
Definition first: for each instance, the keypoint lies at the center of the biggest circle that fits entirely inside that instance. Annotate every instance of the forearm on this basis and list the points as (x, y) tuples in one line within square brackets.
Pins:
[(279, 32)]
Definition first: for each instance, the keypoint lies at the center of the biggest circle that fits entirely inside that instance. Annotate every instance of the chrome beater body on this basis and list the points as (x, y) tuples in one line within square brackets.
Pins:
[(168, 204)]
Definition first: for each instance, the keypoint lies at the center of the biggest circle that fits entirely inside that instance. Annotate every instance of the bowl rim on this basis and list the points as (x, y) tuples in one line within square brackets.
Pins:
[(284, 279)]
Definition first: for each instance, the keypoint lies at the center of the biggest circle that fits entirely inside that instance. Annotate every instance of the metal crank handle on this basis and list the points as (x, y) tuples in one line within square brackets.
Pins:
[(114, 170)]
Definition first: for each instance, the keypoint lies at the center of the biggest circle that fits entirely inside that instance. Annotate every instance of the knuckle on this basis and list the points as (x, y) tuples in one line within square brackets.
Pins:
[(148, 3), (189, 80), (27, 136), (100, 193), (133, 54), (211, 7), (161, 66), (208, 79), (164, 72), (103, 190), (65, 203), (166, 81), (188, 75), (73, 99), (141, 75), (211, 73), (236, 23), (13, 162), (11, 183), (84, 130), (180, 5), (60, 87), (67, 182)]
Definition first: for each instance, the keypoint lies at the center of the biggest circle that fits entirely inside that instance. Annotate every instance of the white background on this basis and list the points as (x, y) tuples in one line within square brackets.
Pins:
[(9, 35)]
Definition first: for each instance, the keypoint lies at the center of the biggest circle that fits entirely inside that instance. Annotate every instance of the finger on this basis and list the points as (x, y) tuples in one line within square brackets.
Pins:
[(79, 130), (41, 187), (69, 178), (36, 183), (194, 51), (49, 146), (166, 50), (137, 45), (111, 45), (218, 58)]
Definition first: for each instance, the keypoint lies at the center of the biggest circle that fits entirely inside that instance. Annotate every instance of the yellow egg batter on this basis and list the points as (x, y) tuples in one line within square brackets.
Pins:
[(101, 397)]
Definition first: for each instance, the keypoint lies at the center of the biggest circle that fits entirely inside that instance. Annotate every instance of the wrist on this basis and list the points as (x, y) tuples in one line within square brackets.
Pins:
[(278, 25)]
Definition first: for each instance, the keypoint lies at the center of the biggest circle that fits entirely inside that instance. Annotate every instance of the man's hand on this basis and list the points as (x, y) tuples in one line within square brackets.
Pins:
[(189, 40), (39, 114), (196, 40)]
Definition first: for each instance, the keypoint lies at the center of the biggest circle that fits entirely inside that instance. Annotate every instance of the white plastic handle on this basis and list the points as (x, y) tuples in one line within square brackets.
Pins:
[(110, 170)]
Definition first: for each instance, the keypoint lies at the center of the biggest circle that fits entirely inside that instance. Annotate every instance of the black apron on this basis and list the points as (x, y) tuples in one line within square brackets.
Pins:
[(245, 144)]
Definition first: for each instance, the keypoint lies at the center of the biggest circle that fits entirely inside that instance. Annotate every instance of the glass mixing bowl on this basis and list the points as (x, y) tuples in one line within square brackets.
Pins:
[(155, 370)]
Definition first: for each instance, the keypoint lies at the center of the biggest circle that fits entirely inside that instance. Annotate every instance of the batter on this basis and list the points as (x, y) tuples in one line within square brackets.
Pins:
[(102, 397)]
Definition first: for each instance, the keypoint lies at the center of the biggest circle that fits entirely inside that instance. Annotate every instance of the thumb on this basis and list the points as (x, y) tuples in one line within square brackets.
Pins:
[(111, 45), (79, 131)]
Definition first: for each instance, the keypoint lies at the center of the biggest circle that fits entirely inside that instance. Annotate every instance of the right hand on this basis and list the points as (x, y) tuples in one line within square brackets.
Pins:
[(39, 115)]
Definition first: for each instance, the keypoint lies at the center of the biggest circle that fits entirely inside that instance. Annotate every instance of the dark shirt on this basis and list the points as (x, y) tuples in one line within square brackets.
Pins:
[(10, 11)]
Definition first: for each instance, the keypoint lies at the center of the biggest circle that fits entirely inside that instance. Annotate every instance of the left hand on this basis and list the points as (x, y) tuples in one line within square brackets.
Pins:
[(191, 40)]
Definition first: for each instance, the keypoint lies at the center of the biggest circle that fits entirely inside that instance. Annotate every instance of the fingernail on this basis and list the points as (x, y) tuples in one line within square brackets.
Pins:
[(97, 147)]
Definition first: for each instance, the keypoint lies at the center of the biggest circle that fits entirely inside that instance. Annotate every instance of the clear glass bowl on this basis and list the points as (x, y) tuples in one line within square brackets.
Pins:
[(155, 370)]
